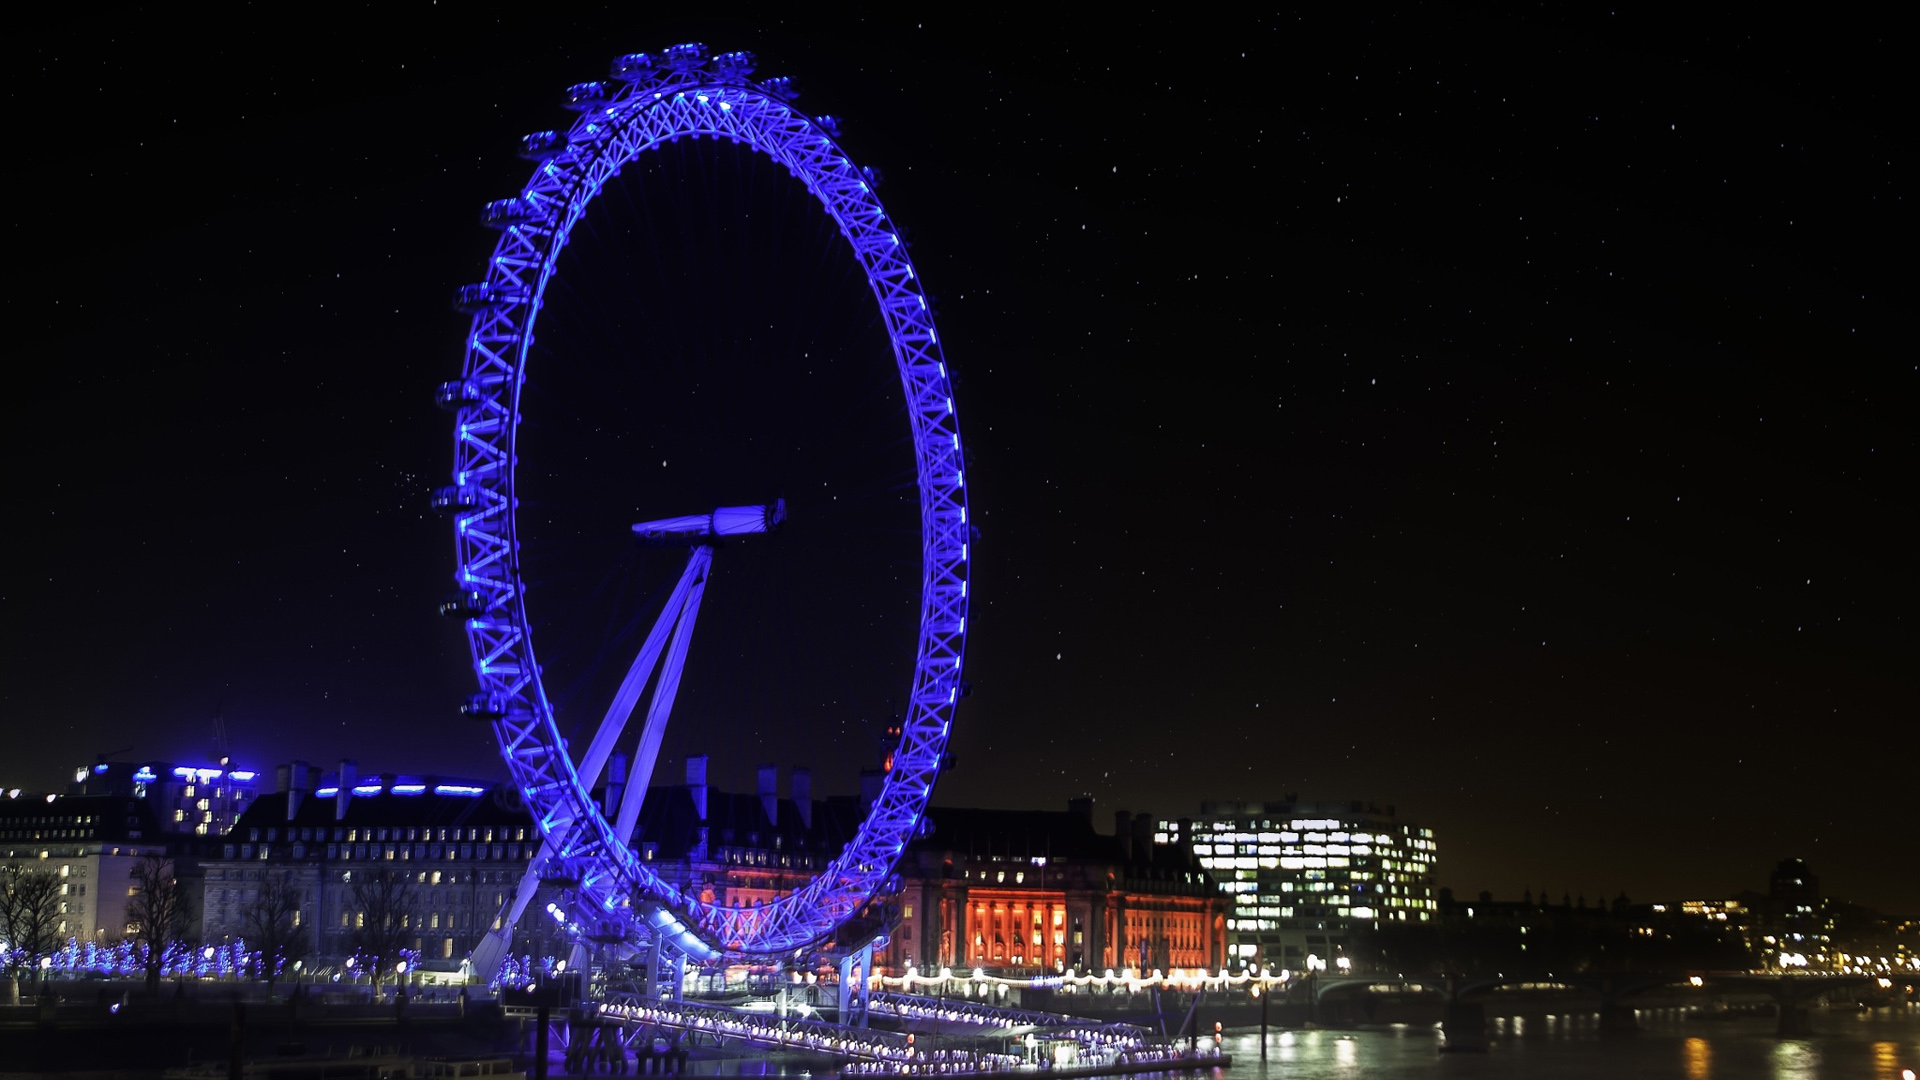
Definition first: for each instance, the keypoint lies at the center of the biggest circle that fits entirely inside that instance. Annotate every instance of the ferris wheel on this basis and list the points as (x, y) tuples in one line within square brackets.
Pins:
[(653, 100)]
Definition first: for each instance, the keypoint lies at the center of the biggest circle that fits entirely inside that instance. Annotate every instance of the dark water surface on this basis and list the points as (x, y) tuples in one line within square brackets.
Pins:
[(1876, 1045)]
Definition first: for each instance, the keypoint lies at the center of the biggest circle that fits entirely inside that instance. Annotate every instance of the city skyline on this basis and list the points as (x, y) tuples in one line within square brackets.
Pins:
[(1499, 417)]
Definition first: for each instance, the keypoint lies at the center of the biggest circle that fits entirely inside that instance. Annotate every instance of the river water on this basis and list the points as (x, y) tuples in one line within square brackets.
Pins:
[(1876, 1045)]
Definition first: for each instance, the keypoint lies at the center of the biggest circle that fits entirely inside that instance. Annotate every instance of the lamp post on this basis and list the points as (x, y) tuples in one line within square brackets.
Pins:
[(1263, 992), (945, 974), (1315, 966)]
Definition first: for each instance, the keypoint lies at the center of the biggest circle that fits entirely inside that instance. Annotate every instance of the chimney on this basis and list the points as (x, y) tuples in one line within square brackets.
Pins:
[(769, 791), (697, 784), (343, 795), (616, 785), (1143, 838), (1123, 832), (803, 795), (299, 783), (870, 781)]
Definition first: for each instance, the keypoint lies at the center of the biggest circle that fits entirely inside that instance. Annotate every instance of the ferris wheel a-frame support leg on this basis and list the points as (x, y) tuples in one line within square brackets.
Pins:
[(648, 752), (856, 970), (673, 630), (497, 944), (682, 605), (666, 971)]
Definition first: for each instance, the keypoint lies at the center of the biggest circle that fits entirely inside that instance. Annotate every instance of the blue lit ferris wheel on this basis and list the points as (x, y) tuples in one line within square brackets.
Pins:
[(653, 100)]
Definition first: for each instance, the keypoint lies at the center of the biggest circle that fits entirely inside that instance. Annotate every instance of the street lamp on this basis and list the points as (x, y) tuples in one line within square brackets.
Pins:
[(1315, 966), (1264, 992)]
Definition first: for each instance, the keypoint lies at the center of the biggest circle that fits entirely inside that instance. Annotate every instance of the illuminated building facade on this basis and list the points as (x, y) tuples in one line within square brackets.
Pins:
[(1304, 876), (186, 800), (91, 842), (464, 854), (1038, 891)]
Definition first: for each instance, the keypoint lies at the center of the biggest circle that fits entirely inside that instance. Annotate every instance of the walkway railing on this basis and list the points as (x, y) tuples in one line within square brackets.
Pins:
[(965, 1011), (789, 1033)]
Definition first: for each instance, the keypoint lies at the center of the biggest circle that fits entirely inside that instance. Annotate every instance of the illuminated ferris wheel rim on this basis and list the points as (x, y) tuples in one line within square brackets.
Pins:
[(657, 100)]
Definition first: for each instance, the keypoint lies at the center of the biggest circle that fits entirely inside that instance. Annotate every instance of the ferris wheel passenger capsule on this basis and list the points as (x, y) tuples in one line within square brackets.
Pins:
[(587, 95), (485, 707), (457, 394), (687, 57), (734, 65), (506, 213), (463, 497), (542, 145), (465, 605), (582, 97), (482, 295), (634, 67)]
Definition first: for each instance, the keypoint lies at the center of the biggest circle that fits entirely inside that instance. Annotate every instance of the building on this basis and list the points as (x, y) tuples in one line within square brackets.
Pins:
[(186, 801), (1039, 891), (92, 842), (1794, 927), (1012, 890), (1304, 877), (1005, 889), (462, 853), (741, 850)]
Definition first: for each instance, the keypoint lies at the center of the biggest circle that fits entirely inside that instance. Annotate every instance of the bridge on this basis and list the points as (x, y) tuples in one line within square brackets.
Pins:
[(1464, 993)]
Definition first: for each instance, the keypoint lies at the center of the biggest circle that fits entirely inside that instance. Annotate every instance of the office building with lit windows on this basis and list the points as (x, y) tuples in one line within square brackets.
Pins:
[(1304, 877)]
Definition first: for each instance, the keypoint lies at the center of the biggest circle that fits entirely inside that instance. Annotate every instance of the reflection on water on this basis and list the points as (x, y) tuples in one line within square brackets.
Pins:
[(1886, 1061), (1669, 1046), (1699, 1059), (1796, 1059)]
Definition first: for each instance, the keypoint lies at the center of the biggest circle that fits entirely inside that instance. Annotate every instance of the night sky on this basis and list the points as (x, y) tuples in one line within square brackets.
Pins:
[(1499, 415)]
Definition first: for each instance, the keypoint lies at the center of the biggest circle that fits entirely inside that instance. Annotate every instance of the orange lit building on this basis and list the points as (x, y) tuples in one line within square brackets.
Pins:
[(1036, 891)]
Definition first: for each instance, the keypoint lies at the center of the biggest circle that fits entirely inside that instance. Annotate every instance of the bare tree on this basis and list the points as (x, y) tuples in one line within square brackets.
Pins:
[(272, 925), (384, 902), (29, 915), (157, 912)]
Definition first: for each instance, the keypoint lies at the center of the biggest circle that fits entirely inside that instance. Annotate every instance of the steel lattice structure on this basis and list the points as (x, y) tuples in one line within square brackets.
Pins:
[(653, 100)]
